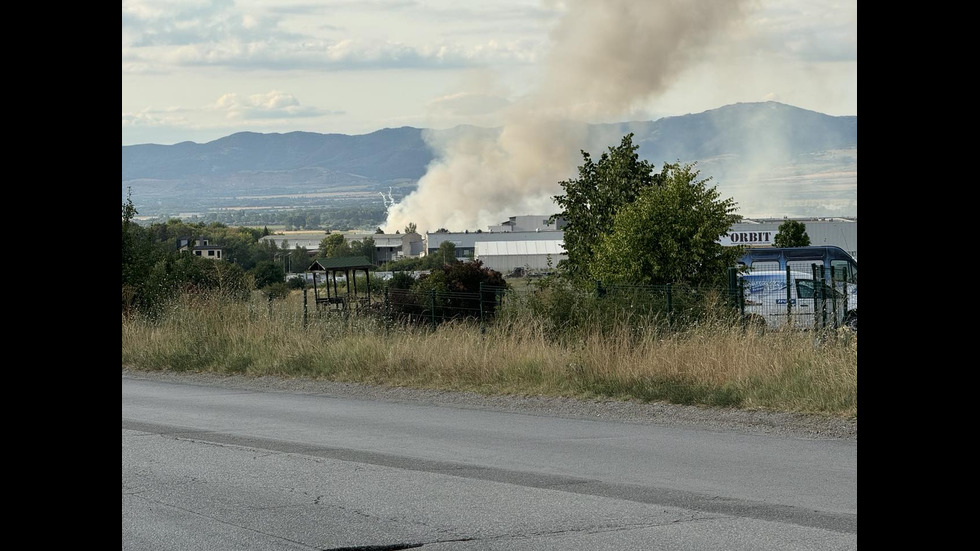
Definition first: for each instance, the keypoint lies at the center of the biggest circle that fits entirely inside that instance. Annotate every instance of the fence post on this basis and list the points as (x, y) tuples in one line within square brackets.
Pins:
[(833, 298), (823, 298), (789, 299), (741, 299), (599, 290), (305, 314), (432, 308), (670, 305), (816, 299), (386, 313), (847, 297), (483, 327)]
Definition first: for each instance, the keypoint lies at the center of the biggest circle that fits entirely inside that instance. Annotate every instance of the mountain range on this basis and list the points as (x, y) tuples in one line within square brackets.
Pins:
[(768, 151)]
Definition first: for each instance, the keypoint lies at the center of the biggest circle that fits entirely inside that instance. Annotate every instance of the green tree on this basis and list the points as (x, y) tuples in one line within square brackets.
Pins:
[(262, 251), (446, 254), (408, 264), (128, 210), (670, 234), (334, 245), (266, 273), (401, 281), (591, 201), (364, 247), (299, 260), (138, 256), (296, 282), (411, 227), (128, 237), (791, 233)]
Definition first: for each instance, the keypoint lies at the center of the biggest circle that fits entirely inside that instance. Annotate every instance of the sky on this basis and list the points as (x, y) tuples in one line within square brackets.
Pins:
[(199, 70)]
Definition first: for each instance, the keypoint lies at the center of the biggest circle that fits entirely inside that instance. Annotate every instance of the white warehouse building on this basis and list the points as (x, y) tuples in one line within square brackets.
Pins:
[(505, 256)]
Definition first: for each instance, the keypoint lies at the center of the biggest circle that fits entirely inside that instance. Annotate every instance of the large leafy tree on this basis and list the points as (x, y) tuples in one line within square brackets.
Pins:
[(444, 256), (299, 260), (791, 233), (670, 234), (138, 255), (334, 245), (268, 272), (591, 201), (364, 247)]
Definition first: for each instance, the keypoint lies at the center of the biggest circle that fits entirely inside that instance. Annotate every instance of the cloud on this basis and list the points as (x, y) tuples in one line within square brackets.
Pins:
[(148, 24), (150, 118), (229, 113), (271, 105), (325, 55), (811, 31), (219, 34)]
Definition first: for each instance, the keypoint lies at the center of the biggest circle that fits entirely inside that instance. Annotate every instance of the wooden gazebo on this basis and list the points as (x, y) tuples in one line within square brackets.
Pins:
[(347, 265)]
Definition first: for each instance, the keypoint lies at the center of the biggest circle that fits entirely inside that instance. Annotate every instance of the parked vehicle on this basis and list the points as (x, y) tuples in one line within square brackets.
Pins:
[(797, 299), (804, 286)]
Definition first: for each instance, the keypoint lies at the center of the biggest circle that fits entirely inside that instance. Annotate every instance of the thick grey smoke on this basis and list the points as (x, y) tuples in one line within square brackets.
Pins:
[(606, 58)]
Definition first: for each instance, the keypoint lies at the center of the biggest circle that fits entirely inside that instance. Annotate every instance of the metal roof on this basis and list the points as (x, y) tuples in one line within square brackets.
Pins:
[(340, 263), (537, 247)]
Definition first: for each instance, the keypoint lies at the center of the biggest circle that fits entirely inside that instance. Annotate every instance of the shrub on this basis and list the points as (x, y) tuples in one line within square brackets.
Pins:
[(297, 282), (277, 290)]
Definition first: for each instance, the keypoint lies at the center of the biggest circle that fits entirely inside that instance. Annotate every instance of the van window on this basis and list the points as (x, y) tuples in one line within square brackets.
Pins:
[(765, 266), (805, 266), (806, 289), (844, 271)]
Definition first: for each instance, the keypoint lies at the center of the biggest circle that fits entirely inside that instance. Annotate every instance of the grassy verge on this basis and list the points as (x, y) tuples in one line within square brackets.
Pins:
[(706, 365)]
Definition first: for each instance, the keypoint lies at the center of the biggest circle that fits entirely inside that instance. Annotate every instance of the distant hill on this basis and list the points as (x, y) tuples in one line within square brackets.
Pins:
[(743, 129), (389, 154), (250, 169)]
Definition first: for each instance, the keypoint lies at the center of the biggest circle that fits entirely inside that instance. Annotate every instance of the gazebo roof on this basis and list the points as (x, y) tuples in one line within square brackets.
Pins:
[(340, 263)]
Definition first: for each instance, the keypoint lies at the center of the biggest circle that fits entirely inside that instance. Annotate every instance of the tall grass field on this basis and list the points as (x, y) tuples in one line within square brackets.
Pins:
[(712, 364)]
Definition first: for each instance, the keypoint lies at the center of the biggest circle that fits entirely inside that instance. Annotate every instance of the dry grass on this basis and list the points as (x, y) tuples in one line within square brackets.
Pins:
[(712, 365)]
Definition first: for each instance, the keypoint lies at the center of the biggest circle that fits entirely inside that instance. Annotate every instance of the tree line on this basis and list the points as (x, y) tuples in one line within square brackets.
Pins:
[(334, 218), (154, 270)]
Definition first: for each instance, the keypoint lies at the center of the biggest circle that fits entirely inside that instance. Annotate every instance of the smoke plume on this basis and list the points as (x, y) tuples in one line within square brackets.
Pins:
[(606, 59)]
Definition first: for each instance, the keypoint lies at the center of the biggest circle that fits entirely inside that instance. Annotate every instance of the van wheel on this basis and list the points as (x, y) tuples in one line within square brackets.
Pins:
[(851, 322)]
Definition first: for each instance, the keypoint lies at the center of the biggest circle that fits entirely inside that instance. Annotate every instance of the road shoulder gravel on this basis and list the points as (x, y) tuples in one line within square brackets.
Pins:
[(716, 419)]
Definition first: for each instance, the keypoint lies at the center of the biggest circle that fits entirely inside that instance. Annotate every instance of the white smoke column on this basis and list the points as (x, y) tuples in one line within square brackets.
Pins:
[(607, 57)]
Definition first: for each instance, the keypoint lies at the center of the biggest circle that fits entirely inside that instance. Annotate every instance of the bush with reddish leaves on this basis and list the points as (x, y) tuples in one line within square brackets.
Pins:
[(459, 290)]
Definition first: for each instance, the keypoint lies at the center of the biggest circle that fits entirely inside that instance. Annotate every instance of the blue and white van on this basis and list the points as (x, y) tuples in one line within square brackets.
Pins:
[(803, 287)]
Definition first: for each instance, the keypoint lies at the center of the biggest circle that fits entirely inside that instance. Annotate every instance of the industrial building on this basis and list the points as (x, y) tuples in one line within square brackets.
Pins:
[(388, 246), (530, 242), (759, 232), (507, 256)]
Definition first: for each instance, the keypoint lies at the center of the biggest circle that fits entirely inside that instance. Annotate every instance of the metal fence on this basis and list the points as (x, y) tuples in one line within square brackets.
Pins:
[(775, 299), (800, 297), (433, 306)]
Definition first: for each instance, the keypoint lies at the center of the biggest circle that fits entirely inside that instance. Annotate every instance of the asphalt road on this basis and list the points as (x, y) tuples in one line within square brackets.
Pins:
[(212, 468)]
